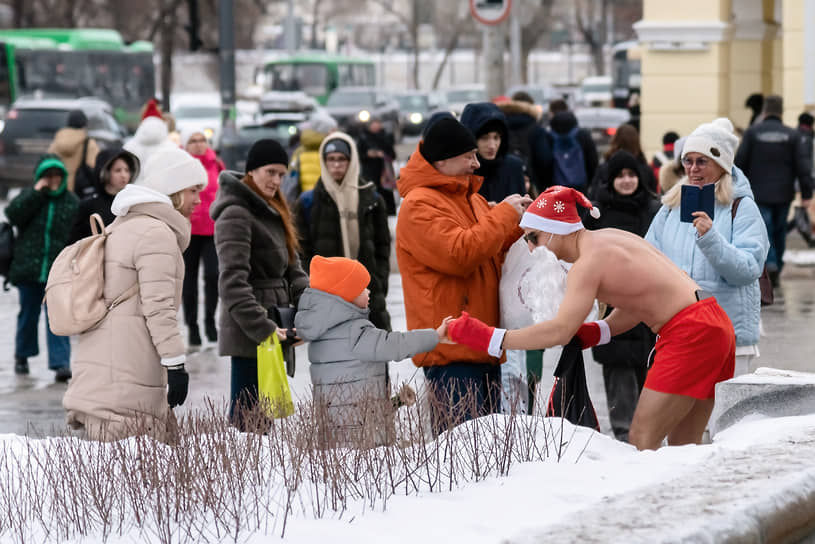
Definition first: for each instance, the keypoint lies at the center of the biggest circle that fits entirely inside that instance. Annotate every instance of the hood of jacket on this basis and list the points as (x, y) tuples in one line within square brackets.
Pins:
[(318, 312), (605, 194), (69, 141), (476, 115), (311, 139), (233, 191), (163, 212), (741, 185), (105, 159), (521, 112), (420, 173), (352, 174), (52, 161), (562, 122), (133, 195)]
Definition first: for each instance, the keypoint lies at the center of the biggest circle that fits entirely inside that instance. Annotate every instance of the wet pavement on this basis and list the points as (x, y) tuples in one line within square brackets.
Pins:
[(32, 404)]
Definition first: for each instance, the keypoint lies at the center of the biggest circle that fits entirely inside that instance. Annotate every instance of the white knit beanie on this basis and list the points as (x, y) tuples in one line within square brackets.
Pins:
[(169, 171), (715, 140)]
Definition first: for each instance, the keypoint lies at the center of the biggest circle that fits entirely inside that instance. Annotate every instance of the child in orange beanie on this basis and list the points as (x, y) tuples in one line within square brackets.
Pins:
[(349, 355)]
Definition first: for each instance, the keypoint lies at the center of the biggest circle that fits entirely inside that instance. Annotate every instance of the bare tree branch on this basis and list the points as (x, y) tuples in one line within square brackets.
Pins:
[(387, 5)]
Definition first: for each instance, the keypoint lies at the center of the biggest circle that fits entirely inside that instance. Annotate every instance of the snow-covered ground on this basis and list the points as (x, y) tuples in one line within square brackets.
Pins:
[(600, 490)]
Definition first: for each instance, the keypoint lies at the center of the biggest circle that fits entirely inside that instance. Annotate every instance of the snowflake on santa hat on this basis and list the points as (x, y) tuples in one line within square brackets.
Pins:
[(559, 206), (542, 203)]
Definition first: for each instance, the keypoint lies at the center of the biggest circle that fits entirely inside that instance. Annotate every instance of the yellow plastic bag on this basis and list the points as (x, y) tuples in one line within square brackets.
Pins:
[(273, 385)]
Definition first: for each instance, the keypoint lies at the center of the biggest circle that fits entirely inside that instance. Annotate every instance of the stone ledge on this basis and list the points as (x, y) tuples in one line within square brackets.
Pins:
[(768, 392)]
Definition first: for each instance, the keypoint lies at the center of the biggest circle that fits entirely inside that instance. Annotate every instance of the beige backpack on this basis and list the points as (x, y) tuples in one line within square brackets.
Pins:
[(74, 294)]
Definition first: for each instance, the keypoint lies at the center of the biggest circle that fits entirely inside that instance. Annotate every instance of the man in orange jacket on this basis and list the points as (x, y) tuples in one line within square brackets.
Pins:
[(450, 246)]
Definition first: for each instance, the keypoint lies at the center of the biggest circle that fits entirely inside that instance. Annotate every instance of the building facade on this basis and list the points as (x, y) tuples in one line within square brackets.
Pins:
[(701, 59)]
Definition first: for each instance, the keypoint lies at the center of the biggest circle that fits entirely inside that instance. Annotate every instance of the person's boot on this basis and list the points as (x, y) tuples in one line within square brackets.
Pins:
[(211, 331), (195, 338), (63, 374), (20, 366)]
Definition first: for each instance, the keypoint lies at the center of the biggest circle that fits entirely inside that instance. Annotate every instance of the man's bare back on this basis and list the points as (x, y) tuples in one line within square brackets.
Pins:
[(635, 277), (620, 269)]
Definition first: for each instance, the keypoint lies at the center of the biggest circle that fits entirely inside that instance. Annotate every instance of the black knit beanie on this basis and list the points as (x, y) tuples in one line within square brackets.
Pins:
[(77, 119), (446, 138), (266, 151), (806, 119), (618, 161)]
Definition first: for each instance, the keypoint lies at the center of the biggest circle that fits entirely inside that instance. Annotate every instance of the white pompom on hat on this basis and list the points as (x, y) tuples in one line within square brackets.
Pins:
[(715, 140), (555, 211), (169, 171)]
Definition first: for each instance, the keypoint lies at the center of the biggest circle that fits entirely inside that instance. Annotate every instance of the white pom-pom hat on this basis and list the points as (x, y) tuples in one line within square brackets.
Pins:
[(715, 140), (555, 211)]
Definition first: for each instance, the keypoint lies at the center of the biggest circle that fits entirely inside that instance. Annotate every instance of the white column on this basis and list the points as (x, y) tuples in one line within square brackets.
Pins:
[(809, 53)]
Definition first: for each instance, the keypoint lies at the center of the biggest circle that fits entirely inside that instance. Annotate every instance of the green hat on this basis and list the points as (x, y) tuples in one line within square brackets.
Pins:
[(49, 161)]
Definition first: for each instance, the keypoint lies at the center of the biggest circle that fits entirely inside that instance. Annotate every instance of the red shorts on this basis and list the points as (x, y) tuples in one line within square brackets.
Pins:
[(695, 350)]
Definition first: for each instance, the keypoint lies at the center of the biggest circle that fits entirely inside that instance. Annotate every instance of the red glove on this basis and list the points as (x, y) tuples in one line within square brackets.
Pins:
[(592, 334), (476, 334)]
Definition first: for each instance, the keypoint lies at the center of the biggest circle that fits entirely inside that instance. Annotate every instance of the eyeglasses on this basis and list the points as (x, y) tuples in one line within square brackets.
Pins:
[(532, 237), (701, 162)]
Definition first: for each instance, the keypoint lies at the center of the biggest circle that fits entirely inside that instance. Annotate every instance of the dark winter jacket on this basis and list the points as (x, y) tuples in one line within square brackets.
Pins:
[(503, 175), (528, 139), (807, 135), (372, 166), (631, 213), (772, 156), (318, 223), (256, 274), (44, 220), (561, 124), (100, 201)]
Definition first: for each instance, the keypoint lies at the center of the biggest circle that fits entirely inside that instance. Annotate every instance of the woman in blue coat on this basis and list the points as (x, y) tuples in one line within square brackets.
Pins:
[(725, 253)]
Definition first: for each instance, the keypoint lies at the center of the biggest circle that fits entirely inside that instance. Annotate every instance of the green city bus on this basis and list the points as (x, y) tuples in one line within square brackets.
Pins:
[(72, 63), (318, 74)]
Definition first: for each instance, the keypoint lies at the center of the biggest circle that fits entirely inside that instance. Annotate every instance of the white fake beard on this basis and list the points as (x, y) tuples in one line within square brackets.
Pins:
[(543, 285), (532, 286)]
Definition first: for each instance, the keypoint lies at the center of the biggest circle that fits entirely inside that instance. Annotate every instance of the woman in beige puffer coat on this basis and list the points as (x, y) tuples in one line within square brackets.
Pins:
[(123, 366)]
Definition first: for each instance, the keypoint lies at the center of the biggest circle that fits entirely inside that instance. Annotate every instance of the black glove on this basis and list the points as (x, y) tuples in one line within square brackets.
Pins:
[(178, 382)]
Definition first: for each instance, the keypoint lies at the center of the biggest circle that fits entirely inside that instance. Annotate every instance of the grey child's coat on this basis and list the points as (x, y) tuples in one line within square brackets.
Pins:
[(349, 361)]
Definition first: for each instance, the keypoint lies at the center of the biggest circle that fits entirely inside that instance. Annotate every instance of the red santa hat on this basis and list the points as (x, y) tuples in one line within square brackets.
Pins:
[(555, 211), (151, 110)]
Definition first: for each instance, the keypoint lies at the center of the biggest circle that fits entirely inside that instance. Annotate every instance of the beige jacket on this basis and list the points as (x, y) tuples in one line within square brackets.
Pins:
[(119, 385), (68, 145)]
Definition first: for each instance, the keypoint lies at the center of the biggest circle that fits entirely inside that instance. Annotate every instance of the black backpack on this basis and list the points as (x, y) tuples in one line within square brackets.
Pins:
[(84, 183), (6, 250)]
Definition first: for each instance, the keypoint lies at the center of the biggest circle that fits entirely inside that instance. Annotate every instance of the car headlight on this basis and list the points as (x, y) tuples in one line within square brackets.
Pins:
[(364, 116), (415, 118), (2, 125), (209, 133), (292, 130)]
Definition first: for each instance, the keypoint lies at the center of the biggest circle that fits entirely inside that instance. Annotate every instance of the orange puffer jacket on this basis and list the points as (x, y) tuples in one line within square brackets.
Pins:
[(450, 246)]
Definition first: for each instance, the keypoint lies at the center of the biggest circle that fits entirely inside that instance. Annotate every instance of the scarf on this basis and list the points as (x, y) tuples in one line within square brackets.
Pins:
[(345, 195)]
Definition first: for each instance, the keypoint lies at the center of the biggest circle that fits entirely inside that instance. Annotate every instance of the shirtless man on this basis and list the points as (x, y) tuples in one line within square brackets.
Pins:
[(695, 348)]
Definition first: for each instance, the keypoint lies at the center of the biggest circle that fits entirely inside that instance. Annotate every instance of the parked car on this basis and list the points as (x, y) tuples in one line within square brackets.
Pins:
[(458, 97), (281, 127), (30, 125), (354, 106), (602, 122), (200, 112), (416, 106), (595, 92)]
